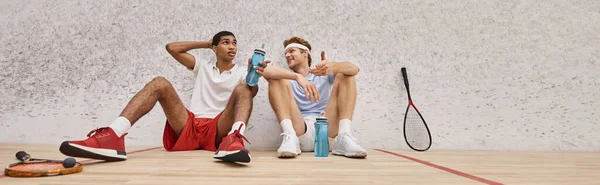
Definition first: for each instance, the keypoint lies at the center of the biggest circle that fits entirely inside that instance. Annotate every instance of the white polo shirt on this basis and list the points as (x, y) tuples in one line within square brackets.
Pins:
[(212, 89)]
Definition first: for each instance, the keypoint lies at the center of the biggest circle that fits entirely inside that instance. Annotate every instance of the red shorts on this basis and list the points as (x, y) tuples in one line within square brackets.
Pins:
[(197, 134)]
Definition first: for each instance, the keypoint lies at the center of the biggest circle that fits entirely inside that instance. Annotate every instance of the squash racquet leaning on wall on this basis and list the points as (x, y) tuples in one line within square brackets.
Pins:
[(416, 132)]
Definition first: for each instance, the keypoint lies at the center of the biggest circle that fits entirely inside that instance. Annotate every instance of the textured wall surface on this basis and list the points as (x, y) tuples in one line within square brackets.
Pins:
[(487, 75)]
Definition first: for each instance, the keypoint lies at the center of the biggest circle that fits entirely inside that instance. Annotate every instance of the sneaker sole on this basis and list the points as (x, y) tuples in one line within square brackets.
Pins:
[(350, 155), (233, 156), (75, 150), (287, 154)]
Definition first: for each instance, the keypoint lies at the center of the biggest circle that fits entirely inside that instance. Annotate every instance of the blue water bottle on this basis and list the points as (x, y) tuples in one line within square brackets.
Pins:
[(321, 138), (257, 57)]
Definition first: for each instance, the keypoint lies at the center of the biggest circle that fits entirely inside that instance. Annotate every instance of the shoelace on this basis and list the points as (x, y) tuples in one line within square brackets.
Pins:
[(351, 138), (286, 137), (95, 131), (352, 142), (237, 133), (98, 130)]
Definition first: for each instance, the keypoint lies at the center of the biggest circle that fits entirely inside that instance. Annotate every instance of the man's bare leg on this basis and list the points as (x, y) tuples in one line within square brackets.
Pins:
[(109, 146), (162, 91), (342, 102), (238, 109), (288, 114), (283, 104), (339, 112), (231, 125)]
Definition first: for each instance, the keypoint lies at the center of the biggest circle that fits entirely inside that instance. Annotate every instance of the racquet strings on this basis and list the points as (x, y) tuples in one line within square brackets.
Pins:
[(38, 166), (415, 129)]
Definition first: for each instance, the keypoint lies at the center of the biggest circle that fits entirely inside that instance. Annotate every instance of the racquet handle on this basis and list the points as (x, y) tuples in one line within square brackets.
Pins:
[(22, 155), (405, 76)]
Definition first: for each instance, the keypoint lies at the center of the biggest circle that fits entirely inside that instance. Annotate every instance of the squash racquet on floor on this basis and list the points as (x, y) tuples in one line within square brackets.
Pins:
[(32, 167)]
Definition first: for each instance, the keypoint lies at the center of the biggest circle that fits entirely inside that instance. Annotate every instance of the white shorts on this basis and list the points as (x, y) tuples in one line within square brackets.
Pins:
[(307, 140)]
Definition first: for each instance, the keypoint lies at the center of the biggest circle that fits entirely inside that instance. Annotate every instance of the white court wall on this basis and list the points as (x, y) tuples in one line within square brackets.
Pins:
[(487, 75)]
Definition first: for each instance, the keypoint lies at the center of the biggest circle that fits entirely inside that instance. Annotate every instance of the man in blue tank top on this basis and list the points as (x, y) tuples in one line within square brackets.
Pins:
[(303, 94)]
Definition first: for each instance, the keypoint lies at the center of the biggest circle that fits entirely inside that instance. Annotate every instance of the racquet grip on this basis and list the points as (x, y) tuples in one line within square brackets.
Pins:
[(405, 76), (22, 155)]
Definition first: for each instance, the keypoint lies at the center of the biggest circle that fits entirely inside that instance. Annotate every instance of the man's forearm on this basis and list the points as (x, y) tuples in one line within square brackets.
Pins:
[(181, 47), (345, 68), (276, 72)]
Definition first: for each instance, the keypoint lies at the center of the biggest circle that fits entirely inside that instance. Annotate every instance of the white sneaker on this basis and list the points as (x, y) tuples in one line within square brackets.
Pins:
[(290, 146), (346, 145)]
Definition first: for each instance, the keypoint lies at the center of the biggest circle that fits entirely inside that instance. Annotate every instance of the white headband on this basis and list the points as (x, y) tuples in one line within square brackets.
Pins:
[(296, 45)]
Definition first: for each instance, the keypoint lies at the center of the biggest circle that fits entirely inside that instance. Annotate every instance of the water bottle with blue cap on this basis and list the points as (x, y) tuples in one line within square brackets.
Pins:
[(321, 137), (257, 57)]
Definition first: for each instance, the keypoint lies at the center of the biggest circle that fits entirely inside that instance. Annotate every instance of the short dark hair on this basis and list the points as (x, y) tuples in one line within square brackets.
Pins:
[(217, 37)]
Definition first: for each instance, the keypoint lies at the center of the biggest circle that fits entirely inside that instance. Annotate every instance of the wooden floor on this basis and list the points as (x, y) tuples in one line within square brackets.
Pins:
[(156, 166)]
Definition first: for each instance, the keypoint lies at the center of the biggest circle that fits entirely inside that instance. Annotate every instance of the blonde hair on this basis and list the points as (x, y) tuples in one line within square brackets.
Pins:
[(299, 40)]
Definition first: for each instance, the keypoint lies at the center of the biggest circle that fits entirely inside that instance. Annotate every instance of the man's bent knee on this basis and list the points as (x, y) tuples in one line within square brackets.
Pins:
[(160, 80), (343, 76), (242, 89), (160, 83)]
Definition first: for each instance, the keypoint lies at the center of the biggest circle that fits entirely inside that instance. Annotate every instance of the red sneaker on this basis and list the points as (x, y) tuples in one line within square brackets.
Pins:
[(103, 144), (232, 148)]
